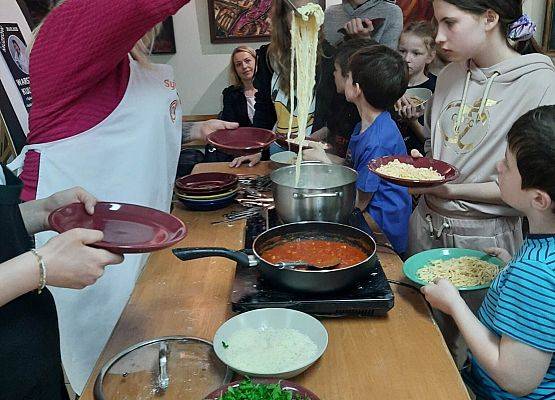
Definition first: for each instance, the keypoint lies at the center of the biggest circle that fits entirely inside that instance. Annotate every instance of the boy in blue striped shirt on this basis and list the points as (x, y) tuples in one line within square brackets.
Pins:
[(512, 339)]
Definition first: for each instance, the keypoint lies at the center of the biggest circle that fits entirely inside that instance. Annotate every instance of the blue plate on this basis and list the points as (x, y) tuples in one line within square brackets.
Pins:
[(206, 205), (420, 260)]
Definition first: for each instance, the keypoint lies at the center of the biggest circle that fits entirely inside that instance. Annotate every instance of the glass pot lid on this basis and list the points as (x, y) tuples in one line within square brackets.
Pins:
[(171, 367)]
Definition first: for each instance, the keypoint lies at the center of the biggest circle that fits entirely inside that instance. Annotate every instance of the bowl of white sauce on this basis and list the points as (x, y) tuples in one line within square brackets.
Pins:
[(271, 342)]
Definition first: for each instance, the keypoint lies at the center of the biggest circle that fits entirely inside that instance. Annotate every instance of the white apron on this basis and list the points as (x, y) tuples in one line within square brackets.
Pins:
[(131, 157)]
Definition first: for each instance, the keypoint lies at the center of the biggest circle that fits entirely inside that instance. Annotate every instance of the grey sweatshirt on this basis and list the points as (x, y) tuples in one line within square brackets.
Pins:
[(388, 34), (473, 138)]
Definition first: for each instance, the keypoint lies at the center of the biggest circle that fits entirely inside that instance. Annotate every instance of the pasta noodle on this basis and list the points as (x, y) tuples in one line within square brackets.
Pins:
[(416, 101), (462, 271), (304, 46), (398, 169)]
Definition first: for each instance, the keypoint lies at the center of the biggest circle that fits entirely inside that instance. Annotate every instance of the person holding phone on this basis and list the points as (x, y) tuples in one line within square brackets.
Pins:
[(381, 20)]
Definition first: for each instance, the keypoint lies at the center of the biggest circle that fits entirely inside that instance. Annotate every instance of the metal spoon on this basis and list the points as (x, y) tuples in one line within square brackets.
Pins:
[(294, 264)]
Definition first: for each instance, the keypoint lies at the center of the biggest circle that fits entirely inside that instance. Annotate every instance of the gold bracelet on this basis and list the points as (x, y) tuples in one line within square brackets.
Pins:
[(42, 270)]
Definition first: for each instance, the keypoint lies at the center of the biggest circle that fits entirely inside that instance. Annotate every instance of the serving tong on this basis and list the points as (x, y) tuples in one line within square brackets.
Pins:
[(293, 7), (259, 183), (239, 215)]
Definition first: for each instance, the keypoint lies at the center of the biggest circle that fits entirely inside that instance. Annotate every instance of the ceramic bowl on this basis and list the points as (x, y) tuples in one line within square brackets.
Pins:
[(276, 318)]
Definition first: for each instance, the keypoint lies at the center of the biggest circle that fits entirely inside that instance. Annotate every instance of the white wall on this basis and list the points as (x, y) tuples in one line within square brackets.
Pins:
[(536, 10), (201, 67)]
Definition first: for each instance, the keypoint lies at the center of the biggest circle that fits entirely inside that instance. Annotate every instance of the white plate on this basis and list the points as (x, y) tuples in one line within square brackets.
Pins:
[(284, 158), (276, 318), (421, 93)]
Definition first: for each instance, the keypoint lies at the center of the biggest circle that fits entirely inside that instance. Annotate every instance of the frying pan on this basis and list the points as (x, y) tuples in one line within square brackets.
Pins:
[(308, 281)]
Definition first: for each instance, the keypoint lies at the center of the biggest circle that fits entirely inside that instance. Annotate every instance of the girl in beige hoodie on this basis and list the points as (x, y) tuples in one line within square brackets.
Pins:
[(497, 76)]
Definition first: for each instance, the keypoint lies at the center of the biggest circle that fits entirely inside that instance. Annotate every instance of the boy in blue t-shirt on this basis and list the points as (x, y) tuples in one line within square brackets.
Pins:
[(512, 339), (376, 77)]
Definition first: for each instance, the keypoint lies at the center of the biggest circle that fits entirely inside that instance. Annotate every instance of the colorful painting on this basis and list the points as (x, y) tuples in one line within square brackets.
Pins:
[(239, 20), (236, 21), (416, 10)]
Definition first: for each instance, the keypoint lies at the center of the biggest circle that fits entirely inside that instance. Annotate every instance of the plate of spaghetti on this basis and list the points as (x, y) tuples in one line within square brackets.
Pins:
[(413, 171), (466, 269)]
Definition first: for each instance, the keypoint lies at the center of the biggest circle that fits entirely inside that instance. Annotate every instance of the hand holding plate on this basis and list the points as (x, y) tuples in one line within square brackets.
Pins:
[(65, 197), (73, 264), (443, 295), (202, 129), (500, 253)]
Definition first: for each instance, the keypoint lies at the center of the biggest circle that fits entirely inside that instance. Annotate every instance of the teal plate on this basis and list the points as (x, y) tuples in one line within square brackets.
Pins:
[(420, 260)]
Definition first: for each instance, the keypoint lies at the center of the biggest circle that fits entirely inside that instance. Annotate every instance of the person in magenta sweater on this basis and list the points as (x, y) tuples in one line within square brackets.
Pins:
[(106, 119)]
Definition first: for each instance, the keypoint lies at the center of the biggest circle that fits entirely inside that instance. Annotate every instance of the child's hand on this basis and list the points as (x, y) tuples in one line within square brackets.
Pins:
[(407, 109), (441, 294), (252, 159), (415, 154), (316, 152), (500, 253)]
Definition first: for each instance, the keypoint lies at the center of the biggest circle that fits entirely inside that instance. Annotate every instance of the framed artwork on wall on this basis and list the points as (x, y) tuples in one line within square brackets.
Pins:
[(237, 21), (416, 10), (165, 41), (549, 29), (164, 44)]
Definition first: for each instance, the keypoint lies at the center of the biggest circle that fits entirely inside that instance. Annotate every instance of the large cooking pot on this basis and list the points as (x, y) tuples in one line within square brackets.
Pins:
[(310, 281), (325, 192)]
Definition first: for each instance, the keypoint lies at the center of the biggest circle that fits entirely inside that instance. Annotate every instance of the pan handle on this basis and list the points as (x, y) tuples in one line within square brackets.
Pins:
[(308, 196), (192, 253)]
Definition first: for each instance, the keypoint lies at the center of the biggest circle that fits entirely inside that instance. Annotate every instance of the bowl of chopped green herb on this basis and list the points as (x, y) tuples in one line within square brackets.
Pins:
[(262, 389)]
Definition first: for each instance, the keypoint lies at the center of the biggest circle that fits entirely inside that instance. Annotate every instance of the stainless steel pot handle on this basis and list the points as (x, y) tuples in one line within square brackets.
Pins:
[(309, 196)]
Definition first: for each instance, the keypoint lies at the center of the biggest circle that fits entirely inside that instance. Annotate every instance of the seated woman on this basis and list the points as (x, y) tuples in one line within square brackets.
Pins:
[(238, 98)]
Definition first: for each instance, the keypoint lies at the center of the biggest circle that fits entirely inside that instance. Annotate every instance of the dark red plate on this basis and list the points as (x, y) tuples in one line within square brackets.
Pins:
[(449, 172), (127, 228), (241, 141), (287, 385), (206, 183)]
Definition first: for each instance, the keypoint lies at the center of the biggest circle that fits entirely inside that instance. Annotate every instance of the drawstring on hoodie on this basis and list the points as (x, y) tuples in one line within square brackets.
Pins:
[(483, 103)]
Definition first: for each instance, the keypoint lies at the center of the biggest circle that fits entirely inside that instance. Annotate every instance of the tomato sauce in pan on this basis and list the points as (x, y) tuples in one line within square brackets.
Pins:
[(315, 252)]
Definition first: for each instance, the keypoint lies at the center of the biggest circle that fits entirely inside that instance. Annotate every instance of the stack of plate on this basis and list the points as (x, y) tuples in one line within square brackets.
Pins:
[(207, 191)]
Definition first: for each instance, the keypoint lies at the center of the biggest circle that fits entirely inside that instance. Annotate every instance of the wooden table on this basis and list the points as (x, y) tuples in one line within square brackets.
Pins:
[(400, 356)]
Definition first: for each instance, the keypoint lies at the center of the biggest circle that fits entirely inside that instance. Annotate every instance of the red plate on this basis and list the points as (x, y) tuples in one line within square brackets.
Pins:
[(206, 183), (288, 385), (449, 172), (241, 141), (127, 228)]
